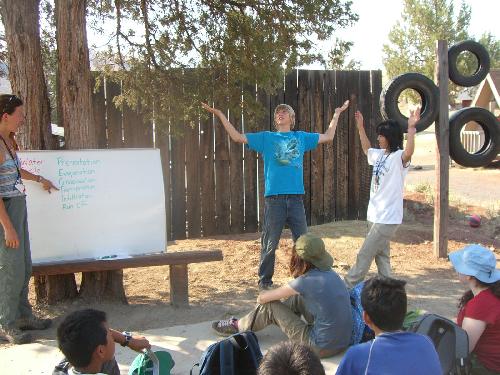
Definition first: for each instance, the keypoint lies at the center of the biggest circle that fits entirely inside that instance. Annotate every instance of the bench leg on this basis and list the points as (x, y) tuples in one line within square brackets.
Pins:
[(179, 285)]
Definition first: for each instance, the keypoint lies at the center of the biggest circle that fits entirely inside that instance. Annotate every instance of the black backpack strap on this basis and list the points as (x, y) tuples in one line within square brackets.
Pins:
[(257, 309), (62, 367), (192, 368)]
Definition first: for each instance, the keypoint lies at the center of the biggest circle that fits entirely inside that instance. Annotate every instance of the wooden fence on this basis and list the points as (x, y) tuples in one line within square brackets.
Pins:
[(214, 186)]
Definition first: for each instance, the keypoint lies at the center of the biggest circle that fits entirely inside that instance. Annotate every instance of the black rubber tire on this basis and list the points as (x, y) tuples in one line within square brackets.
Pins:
[(491, 147), (483, 61), (427, 90)]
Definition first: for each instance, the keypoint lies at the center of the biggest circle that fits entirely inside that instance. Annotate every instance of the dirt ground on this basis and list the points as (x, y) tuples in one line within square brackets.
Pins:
[(229, 287)]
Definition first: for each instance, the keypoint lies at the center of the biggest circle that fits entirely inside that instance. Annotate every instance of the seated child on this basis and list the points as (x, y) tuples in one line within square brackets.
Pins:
[(317, 293), (290, 358), (392, 352), (88, 344), (479, 307)]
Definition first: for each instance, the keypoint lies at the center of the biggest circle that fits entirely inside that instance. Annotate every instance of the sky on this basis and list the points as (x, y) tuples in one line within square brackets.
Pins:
[(376, 18)]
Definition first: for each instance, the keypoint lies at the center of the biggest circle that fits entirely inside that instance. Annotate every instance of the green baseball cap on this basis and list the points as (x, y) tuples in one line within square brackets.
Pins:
[(312, 249)]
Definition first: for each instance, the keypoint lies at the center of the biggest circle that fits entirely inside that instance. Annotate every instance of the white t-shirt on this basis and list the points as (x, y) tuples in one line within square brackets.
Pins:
[(386, 190)]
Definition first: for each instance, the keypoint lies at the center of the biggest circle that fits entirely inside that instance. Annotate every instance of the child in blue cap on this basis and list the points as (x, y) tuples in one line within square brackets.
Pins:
[(479, 307)]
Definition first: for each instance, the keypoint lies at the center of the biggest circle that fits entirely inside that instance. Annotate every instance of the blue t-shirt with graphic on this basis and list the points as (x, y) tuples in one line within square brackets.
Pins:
[(283, 154), (392, 353)]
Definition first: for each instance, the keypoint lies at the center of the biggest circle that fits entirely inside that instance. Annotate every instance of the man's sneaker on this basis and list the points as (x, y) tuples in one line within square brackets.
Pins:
[(226, 327), (266, 287), (15, 336), (33, 323)]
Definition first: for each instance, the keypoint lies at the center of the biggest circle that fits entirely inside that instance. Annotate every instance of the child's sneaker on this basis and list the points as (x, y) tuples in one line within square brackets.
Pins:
[(226, 327)]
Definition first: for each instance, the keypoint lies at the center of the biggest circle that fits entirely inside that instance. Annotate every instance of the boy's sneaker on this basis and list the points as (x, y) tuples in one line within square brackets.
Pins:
[(263, 287), (226, 327), (33, 323), (15, 336)]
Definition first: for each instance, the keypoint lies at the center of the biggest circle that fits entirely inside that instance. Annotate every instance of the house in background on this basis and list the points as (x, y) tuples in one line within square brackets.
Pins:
[(487, 97)]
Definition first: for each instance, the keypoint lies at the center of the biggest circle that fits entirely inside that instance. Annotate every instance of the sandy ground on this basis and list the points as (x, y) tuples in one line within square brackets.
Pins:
[(229, 287)]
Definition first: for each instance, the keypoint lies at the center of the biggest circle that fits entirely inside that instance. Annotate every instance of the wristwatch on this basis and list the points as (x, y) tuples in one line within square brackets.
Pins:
[(128, 337)]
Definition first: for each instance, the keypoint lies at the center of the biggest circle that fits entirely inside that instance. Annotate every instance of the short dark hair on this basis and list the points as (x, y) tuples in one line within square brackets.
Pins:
[(80, 333), (384, 300), (9, 103), (392, 131), (290, 358)]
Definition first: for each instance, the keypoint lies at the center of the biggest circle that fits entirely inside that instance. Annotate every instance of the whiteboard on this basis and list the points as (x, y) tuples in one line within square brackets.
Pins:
[(111, 203)]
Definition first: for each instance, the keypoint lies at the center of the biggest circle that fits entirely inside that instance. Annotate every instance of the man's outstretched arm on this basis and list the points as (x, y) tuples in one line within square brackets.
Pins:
[(233, 133)]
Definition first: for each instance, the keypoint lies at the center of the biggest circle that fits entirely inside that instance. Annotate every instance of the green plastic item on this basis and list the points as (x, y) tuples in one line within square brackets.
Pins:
[(152, 363)]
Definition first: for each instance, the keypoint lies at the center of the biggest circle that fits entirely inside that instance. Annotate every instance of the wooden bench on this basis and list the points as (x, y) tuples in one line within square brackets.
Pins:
[(178, 262)]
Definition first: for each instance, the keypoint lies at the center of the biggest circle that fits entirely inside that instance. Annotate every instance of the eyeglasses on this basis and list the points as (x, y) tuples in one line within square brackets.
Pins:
[(12, 97)]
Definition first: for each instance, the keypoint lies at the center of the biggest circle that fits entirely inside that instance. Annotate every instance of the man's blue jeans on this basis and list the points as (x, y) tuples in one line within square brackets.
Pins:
[(278, 211)]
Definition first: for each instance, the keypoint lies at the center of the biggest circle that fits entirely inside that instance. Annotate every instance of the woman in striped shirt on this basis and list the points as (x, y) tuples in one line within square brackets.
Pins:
[(16, 315)]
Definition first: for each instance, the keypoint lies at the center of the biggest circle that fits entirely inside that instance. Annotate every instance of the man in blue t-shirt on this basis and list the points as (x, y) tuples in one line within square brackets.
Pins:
[(392, 352), (283, 153)]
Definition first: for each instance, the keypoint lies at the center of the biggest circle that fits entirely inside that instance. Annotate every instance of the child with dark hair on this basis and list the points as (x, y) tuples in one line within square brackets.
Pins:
[(385, 209), (316, 293), (392, 352), (86, 341), (479, 307), (88, 344), (290, 358)]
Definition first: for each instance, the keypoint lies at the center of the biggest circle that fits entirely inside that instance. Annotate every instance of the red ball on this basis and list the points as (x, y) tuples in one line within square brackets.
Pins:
[(474, 221)]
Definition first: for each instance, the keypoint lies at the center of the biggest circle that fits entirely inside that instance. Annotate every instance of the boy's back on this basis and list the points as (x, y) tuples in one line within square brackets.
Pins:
[(392, 353)]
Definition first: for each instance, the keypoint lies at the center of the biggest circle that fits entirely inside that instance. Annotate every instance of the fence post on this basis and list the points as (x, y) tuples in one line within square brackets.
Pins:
[(442, 130)]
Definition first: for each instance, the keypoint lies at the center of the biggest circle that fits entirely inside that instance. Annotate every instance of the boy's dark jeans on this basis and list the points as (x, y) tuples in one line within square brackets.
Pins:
[(279, 210)]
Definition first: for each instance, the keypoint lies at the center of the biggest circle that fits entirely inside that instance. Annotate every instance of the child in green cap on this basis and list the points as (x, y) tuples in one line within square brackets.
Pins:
[(316, 293)]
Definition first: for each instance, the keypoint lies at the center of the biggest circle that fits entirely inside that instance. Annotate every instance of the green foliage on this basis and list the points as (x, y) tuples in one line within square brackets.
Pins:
[(338, 55), (492, 45), (180, 53), (412, 41)]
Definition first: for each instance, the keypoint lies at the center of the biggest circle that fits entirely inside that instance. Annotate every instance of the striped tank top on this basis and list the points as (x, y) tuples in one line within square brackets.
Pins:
[(8, 176)]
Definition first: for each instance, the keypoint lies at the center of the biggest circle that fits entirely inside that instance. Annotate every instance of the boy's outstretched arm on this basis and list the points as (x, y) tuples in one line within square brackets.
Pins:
[(410, 140), (330, 132), (233, 133), (365, 142)]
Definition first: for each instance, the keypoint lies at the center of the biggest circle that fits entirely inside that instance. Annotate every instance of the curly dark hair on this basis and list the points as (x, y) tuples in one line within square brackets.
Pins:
[(467, 296)]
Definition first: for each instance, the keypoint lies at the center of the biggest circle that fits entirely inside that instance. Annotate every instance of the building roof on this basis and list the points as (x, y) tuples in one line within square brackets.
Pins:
[(491, 82)]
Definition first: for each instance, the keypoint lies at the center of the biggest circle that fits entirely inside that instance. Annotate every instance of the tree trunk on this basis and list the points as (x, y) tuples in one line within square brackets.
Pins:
[(27, 79), (22, 32), (76, 115)]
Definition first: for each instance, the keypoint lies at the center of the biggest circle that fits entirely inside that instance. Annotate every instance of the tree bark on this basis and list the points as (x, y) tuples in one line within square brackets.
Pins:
[(27, 79), (76, 115), (22, 32)]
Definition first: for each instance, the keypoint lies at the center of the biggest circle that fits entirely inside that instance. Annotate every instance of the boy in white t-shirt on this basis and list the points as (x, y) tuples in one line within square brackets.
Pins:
[(385, 210)]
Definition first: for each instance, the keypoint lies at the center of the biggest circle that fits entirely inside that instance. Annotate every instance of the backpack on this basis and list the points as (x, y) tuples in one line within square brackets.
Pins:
[(152, 363), (450, 340), (360, 331), (238, 354)]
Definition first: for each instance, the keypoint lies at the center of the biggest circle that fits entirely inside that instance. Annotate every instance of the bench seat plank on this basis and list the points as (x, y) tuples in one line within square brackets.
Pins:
[(93, 265)]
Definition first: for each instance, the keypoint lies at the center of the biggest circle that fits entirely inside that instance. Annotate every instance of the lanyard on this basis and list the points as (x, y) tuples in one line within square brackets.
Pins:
[(14, 160)]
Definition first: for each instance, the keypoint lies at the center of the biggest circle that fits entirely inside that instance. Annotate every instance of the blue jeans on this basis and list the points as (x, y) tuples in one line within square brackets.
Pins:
[(278, 211)]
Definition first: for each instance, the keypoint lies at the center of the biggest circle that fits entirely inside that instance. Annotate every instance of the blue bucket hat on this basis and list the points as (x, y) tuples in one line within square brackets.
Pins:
[(477, 261)]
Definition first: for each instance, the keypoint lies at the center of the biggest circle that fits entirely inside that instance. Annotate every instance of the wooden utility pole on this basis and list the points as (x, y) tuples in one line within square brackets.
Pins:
[(441, 201)]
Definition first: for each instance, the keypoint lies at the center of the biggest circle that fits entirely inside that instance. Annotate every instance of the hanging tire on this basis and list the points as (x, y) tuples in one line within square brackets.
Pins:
[(483, 62), (491, 146), (429, 95)]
